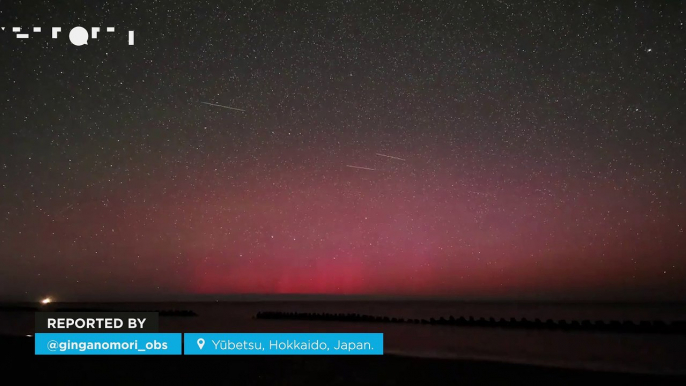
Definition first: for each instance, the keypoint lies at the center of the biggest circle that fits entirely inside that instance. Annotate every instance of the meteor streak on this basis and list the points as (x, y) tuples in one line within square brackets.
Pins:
[(226, 107), (390, 156), (359, 167)]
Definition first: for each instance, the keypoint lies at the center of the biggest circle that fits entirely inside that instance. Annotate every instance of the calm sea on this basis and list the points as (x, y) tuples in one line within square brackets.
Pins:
[(647, 353)]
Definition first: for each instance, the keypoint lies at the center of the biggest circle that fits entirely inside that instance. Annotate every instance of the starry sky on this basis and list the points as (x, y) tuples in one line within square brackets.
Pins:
[(471, 149)]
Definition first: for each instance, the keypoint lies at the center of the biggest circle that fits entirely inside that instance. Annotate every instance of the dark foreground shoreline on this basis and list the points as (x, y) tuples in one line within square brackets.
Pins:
[(17, 353), (615, 326)]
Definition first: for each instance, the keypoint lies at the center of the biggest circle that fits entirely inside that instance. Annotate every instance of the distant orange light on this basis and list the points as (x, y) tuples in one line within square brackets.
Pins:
[(46, 301)]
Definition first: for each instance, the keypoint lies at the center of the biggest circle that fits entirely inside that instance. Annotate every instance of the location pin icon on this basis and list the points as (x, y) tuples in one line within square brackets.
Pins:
[(201, 342)]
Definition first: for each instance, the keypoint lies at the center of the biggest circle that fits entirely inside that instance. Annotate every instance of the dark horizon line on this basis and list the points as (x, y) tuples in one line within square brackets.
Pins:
[(335, 297)]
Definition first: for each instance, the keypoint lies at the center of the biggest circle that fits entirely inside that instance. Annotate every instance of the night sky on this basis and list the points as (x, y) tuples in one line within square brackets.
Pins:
[(471, 149)]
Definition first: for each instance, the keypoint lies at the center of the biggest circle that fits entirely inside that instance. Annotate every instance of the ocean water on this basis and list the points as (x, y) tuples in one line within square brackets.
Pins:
[(641, 353)]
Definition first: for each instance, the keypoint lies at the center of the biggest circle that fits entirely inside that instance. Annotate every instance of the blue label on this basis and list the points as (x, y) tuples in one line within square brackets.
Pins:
[(107, 344), (283, 344)]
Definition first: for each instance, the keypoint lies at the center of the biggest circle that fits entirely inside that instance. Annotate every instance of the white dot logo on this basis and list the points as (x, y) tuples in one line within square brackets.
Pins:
[(78, 36)]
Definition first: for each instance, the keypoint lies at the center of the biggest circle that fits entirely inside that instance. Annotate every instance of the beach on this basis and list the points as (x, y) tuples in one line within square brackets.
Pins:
[(17, 352), (574, 350)]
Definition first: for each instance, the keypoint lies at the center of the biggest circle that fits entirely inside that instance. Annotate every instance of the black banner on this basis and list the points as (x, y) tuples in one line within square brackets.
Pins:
[(85, 322)]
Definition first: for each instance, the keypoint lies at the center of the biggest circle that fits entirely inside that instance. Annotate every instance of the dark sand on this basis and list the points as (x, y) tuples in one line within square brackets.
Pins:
[(19, 360)]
